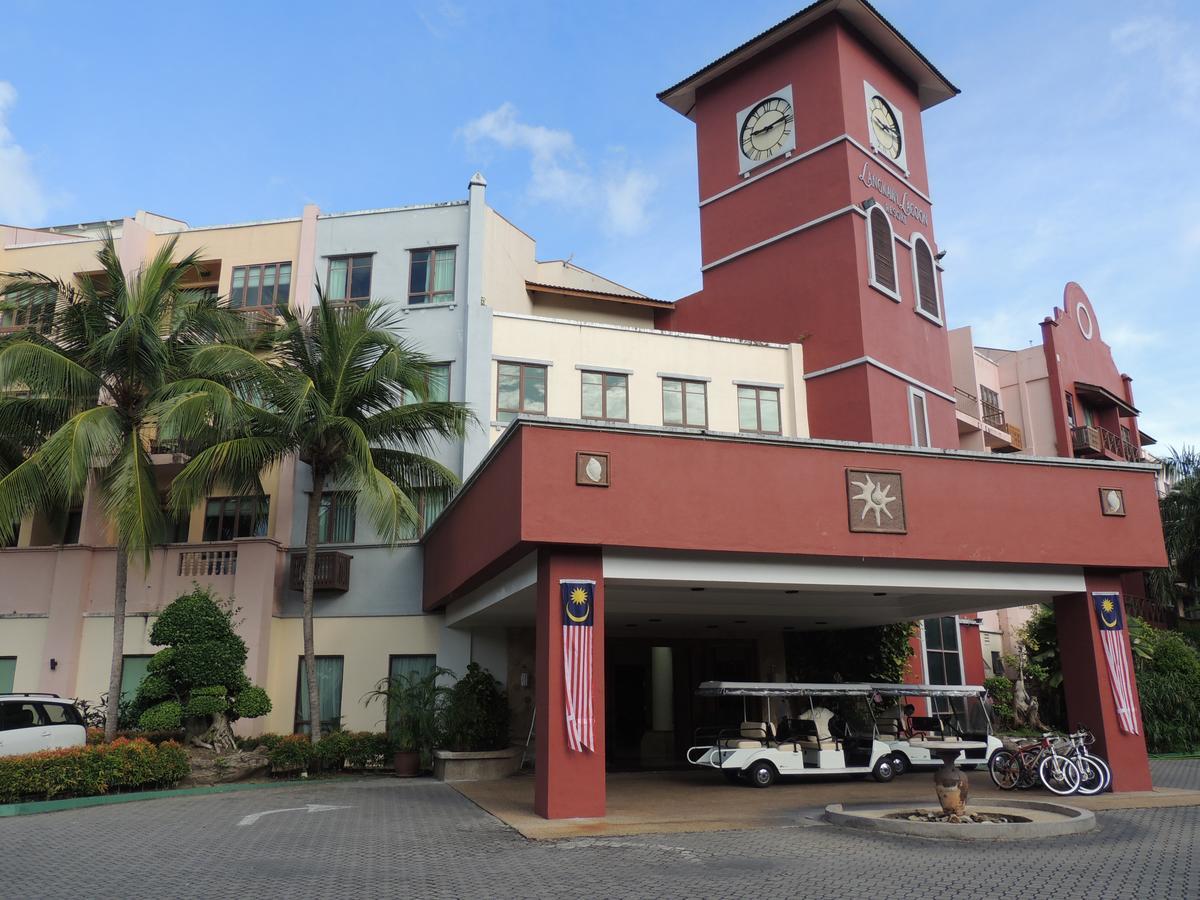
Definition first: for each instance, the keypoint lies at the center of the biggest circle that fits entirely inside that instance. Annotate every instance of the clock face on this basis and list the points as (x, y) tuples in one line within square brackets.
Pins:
[(885, 128), (767, 129)]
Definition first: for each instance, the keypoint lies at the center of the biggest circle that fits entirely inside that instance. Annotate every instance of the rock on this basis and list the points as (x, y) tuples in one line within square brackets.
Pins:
[(212, 768)]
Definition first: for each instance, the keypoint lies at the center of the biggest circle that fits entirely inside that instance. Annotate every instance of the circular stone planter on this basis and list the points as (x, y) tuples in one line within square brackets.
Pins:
[(482, 765), (1046, 820)]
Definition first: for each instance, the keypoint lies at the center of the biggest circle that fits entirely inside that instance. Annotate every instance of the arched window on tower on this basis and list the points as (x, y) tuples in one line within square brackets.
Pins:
[(925, 279), (882, 257)]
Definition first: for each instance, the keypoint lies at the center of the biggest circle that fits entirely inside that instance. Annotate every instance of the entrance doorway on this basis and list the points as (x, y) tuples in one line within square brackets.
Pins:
[(651, 707)]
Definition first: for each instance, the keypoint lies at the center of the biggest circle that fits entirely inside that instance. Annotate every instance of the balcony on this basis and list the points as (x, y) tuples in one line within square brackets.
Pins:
[(981, 424), (1152, 613), (207, 563), (1094, 441), (332, 572)]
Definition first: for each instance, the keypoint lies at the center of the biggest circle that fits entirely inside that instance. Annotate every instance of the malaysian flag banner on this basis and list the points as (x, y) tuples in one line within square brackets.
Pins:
[(1112, 636), (578, 617)]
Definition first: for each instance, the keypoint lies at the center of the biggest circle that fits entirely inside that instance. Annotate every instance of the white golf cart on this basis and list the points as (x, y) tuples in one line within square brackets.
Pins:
[(958, 713), (833, 733)]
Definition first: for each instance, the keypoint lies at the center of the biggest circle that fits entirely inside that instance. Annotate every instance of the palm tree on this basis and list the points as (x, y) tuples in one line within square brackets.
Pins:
[(1180, 508), (343, 392), (79, 387)]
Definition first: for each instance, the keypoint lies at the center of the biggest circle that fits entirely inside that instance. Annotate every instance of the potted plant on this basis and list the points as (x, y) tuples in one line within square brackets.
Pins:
[(475, 731), (414, 704)]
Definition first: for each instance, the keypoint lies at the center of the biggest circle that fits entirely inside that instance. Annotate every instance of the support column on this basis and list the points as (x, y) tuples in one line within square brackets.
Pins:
[(569, 784), (1088, 688)]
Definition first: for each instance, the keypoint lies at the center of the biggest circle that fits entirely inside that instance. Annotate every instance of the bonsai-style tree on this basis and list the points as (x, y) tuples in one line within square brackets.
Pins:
[(345, 393), (197, 681), (79, 385)]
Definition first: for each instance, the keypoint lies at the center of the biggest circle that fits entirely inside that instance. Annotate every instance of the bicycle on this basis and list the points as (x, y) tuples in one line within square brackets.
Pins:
[(1095, 774), (1035, 762)]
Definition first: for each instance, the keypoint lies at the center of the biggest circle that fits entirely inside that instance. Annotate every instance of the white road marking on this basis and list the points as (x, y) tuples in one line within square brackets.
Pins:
[(309, 808)]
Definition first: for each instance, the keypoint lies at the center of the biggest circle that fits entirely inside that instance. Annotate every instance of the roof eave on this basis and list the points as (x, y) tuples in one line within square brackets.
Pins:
[(932, 86)]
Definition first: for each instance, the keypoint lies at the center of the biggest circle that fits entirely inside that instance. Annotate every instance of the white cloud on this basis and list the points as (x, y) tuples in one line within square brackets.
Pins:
[(440, 17), (560, 175), (22, 200), (1170, 43)]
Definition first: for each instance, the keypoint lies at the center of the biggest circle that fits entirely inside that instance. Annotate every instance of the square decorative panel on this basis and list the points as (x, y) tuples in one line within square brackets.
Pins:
[(591, 469), (1112, 501), (876, 501)]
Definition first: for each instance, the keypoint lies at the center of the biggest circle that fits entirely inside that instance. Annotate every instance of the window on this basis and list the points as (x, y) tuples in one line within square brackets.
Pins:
[(918, 416), (61, 714), (943, 664), (990, 400), (176, 529), (997, 664), (758, 409), (520, 388), (429, 505), (431, 278), (605, 396), (329, 686), (1070, 411), (226, 518), (21, 715), (925, 279), (685, 403), (72, 526), (350, 279), (437, 384), (335, 518), (255, 287), (133, 673), (8, 673), (403, 666), (881, 261), (33, 308)]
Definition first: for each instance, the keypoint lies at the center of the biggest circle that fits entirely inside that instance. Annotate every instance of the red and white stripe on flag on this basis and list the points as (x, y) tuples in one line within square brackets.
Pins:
[(1112, 639), (578, 617)]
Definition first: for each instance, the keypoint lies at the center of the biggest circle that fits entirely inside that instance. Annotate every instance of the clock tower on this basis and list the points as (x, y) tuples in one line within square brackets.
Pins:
[(816, 221)]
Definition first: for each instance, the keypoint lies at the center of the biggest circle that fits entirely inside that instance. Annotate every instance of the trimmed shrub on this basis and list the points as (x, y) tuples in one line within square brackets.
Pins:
[(252, 703), (266, 741), (369, 750), (292, 753), (206, 701), (330, 752), (476, 715), (123, 765)]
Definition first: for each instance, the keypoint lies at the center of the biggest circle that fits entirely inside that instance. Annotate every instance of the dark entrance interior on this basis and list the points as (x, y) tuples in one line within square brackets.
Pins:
[(651, 707)]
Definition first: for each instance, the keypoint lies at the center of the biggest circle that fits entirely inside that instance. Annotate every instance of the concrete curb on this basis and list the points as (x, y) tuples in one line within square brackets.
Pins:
[(1074, 821), (37, 807)]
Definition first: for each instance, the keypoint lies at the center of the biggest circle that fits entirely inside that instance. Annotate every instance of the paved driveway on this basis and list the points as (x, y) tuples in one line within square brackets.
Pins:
[(423, 839)]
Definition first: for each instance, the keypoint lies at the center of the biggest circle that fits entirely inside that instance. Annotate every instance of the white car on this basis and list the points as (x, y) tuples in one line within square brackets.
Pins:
[(30, 723)]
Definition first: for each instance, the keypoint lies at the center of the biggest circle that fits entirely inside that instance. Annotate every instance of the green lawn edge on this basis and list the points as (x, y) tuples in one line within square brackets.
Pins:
[(35, 807)]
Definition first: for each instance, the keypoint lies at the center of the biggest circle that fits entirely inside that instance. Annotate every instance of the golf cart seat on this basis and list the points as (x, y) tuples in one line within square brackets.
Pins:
[(753, 734), (802, 734), (931, 725)]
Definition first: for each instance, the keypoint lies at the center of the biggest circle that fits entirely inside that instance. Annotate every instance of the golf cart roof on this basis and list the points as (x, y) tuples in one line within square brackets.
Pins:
[(845, 689)]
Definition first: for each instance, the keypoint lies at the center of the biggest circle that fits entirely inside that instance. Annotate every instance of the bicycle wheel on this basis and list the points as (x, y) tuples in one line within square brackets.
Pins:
[(1092, 774), (1027, 771), (1059, 775), (1104, 769), (1004, 769)]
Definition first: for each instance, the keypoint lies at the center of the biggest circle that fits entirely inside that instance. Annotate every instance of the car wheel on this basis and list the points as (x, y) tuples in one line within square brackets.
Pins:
[(899, 764), (762, 774), (884, 771)]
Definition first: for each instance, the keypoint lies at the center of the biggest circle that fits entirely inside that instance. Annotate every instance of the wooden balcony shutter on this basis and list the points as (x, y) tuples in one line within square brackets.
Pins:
[(926, 286), (883, 249)]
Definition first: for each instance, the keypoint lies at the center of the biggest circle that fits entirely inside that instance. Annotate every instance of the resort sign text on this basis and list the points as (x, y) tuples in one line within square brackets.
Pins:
[(899, 206)]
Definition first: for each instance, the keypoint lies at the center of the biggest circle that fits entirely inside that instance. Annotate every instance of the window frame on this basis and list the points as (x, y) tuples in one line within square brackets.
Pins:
[(387, 722), (521, 411), (872, 281), (336, 499), (243, 498), (682, 382), (32, 310), (937, 294), (420, 498), (604, 377), (408, 397), (758, 392), (925, 651), (913, 394), (262, 267), (429, 293), (350, 258)]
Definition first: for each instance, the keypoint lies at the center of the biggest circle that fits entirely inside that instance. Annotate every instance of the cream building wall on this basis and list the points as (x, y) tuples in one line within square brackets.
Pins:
[(23, 636), (567, 347)]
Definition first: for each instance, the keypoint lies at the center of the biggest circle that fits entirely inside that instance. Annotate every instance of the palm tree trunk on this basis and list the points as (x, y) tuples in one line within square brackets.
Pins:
[(310, 574), (114, 678)]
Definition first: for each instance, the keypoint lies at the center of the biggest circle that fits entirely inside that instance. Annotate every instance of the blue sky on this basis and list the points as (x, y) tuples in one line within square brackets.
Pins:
[(1068, 156)]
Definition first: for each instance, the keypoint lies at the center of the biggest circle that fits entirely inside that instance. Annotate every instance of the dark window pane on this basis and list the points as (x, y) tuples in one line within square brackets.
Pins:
[(933, 634), (949, 633), (360, 279), (418, 280)]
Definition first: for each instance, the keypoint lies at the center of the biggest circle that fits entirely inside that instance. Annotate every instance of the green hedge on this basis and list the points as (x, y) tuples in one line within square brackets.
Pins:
[(123, 765), (292, 753)]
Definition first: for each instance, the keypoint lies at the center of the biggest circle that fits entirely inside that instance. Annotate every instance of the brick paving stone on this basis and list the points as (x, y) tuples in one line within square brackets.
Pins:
[(423, 839)]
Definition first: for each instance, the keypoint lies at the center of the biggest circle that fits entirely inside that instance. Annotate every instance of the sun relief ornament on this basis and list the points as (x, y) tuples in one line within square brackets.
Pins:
[(876, 501)]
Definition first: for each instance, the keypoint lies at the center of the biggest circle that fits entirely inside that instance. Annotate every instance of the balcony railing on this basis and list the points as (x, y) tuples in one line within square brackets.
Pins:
[(332, 571), (992, 415), (1014, 435), (196, 563), (988, 413), (1152, 612), (1092, 440)]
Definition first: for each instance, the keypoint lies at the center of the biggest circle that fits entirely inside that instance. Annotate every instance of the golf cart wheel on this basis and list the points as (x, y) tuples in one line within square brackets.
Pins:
[(733, 776), (899, 764), (884, 771), (762, 774)]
